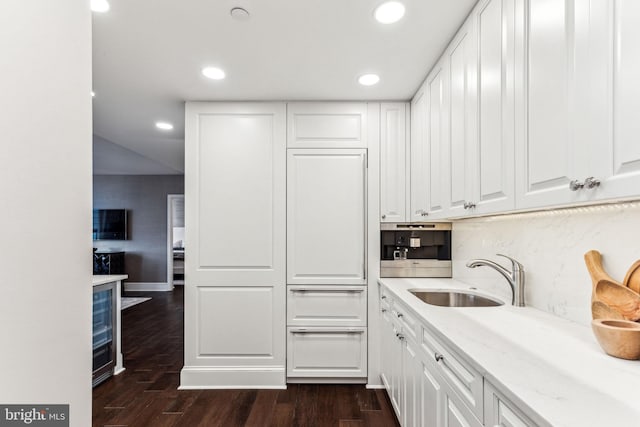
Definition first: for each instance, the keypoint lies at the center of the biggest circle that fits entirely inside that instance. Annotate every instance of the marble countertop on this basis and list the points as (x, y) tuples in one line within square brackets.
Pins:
[(108, 278), (551, 366)]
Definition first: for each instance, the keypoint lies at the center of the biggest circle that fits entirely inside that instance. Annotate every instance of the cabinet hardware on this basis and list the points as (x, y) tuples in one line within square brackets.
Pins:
[(399, 315), (383, 297), (591, 183), (576, 185), (384, 310), (438, 357), (469, 205), (384, 216), (400, 336)]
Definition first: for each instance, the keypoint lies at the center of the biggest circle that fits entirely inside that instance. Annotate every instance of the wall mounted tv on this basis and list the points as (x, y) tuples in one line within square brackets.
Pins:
[(109, 224)]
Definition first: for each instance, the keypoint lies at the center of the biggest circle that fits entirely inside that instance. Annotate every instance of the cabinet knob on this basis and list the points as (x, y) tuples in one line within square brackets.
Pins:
[(438, 357), (383, 297), (591, 183), (399, 315), (384, 216), (576, 185), (400, 336), (384, 310)]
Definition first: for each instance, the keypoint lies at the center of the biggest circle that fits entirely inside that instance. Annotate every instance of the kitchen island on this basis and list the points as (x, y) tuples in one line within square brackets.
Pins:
[(117, 279), (550, 371)]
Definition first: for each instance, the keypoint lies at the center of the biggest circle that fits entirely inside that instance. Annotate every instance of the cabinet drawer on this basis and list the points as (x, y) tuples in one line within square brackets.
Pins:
[(406, 320), (464, 380), (326, 352), (327, 306)]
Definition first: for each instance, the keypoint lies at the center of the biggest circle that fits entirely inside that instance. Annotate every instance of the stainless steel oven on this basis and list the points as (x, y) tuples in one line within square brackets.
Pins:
[(415, 249)]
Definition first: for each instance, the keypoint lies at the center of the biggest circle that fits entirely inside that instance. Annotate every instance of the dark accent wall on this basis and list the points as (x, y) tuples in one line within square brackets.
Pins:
[(145, 198)]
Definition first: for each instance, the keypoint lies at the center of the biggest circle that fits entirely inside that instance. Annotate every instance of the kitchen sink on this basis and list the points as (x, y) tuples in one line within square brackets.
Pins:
[(444, 298)]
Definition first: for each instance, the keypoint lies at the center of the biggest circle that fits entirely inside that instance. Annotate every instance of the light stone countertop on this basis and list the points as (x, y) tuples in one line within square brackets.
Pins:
[(108, 278), (552, 368)]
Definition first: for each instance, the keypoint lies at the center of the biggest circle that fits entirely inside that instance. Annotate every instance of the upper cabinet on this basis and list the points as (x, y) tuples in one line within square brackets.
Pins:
[(394, 168), (419, 158), (580, 103), (326, 125)]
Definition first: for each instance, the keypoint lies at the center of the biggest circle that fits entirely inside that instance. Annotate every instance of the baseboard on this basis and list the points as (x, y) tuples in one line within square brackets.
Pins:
[(320, 380), (232, 377), (375, 386), (147, 286)]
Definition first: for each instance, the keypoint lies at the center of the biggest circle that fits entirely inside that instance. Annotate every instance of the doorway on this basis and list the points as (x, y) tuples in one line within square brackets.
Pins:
[(175, 240)]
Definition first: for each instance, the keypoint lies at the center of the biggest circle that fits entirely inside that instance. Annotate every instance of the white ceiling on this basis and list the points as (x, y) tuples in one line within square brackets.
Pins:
[(148, 56)]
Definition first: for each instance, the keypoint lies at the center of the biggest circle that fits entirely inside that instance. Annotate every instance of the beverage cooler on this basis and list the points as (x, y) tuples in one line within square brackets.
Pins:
[(104, 320)]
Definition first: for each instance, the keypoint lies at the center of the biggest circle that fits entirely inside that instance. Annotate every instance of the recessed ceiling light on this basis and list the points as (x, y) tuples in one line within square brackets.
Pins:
[(99, 6), (213, 73), (389, 12), (239, 14), (368, 79), (164, 125)]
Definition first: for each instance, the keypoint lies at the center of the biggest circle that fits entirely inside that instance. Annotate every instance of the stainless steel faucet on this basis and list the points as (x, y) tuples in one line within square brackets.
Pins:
[(515, 277)]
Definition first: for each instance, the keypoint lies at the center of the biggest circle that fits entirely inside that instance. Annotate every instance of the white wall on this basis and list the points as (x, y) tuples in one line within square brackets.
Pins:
[(45, 184), (551, 245)]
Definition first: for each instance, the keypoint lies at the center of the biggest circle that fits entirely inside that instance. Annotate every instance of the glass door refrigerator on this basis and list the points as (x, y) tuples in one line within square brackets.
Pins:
[(104, 320)]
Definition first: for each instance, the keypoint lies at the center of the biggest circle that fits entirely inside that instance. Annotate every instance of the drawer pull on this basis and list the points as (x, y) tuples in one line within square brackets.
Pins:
[(400, 336), (383, 297), (399, 315), (438, 357), (384, 310)]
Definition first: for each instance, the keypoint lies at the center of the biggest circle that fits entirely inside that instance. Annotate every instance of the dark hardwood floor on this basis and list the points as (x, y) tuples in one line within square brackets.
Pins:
[(146, 394)]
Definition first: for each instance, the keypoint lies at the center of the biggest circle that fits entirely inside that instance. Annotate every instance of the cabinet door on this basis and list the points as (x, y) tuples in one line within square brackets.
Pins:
[(393, 162), (411, 369), (386, 340), (495, 140), (499, 412), (326, 207), (455, 413), (317, 305), (235, 186), (326, 125), (438, 141), (617, 165), (419, 162), (431, 398), (462, 59)]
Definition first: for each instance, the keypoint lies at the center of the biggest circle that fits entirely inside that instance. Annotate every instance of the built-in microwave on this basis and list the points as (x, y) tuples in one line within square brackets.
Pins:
[(415, 249)]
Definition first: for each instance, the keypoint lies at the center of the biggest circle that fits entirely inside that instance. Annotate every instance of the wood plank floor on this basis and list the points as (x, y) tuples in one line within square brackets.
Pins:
[(146, 394)]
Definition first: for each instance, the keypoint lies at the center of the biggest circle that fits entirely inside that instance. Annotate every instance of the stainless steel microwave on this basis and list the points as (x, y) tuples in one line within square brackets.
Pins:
[(415, 249)]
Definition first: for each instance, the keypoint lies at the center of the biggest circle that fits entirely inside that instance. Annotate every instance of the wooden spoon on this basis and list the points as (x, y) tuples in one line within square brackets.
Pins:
[(619, 298), (632, 279), (593, 259), (600, 310)]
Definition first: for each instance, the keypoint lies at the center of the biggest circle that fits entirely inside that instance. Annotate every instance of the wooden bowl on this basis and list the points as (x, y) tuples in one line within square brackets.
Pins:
[(618, 338)]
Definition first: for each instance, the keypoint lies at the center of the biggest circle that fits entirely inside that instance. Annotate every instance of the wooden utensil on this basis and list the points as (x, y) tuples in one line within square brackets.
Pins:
[(600, 310), (632, 278), (593, 259), (619, 298), (618, 338)]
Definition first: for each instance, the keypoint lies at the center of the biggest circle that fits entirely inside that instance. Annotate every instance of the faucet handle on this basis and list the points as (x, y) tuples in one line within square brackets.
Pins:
[(515, 265)]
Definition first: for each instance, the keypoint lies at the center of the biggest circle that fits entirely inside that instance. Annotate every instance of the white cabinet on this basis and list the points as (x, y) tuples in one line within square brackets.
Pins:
[(326, 125), (394, 166), (419, 158), (438, 140), (235, 187), (581, 103), (309, 305), (463, 138), (499, 412), (326, 216), (431, 396), (494, 156), (321, 352)]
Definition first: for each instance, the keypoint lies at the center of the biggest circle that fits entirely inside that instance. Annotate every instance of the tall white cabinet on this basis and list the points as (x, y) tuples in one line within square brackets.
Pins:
[(394, 164), (235, 189), (326, 242)]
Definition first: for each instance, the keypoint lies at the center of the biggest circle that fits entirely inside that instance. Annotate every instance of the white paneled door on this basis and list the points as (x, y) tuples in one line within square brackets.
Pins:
[(326, 216), (235, 290)]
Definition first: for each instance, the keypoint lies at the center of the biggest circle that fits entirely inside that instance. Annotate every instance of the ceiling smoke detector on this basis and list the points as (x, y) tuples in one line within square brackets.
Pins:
[(240, 14)]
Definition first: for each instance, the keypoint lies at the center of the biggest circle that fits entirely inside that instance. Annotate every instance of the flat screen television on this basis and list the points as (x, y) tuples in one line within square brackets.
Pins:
[(109, 224)]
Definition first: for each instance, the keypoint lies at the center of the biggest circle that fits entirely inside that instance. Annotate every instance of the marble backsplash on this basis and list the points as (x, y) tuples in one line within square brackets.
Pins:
[(551, 246)]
